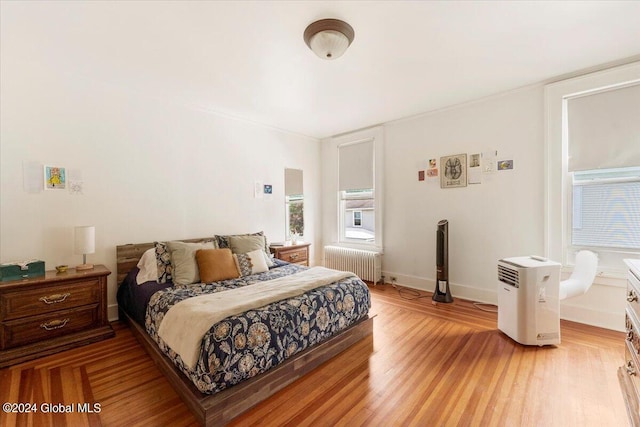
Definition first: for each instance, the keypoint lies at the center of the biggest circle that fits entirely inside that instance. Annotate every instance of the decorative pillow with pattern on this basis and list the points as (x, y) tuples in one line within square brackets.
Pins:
[(223, 241), (251, 263), (163, 260)]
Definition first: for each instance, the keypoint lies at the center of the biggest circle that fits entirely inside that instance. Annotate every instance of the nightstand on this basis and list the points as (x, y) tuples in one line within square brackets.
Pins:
[(296, 254), (55, 312)]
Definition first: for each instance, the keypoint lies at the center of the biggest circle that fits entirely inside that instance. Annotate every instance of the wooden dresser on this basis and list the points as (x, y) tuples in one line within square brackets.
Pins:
[(296, 254), (55, 312), (629, 373)]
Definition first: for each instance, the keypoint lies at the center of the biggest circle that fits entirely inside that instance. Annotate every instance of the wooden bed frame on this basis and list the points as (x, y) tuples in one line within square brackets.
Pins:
[(220, 408)]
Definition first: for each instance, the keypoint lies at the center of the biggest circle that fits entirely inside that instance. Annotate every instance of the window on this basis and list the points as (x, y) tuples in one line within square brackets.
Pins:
[(294, 214), (354, 161), (357, 218), (593, 169), (294, 202), (359, 215), (606, 209), (603, 199)]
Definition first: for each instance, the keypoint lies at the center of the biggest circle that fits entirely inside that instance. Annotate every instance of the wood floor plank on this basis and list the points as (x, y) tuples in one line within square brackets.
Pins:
[(425, 365)]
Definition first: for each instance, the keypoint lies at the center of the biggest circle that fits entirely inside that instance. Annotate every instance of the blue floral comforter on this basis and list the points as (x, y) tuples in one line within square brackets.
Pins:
[(250, 343)]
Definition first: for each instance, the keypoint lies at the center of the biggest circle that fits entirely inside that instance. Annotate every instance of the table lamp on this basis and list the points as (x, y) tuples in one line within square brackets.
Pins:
[(85, 243)]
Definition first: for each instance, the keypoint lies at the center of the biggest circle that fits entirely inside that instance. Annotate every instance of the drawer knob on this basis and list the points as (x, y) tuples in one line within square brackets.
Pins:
[(629, 335), (294, 256), (54, 299), (631, 296), (631, 370), (54, 324)]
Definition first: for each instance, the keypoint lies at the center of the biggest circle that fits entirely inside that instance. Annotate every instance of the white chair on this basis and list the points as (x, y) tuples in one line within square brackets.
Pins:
[(582, 277)]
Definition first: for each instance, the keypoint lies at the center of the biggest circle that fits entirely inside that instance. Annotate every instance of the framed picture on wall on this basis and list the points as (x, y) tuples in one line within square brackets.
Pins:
[(454, 171), (55, 178)]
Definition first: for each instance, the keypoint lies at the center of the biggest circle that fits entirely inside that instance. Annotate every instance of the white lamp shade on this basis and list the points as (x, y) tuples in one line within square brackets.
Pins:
[(85, 239)]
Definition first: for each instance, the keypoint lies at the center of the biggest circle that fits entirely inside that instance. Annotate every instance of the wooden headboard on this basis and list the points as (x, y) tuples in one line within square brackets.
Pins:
[(127, 256)]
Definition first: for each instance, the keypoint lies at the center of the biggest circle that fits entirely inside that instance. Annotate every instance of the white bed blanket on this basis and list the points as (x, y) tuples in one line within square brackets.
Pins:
[(186, 323)]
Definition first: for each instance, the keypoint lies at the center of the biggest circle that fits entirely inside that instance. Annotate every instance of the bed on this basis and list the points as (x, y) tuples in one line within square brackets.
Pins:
[(245, 357)]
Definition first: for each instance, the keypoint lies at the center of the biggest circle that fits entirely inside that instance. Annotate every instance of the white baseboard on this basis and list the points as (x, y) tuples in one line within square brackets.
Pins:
[(457, 290), (602, 319), (112, 312)]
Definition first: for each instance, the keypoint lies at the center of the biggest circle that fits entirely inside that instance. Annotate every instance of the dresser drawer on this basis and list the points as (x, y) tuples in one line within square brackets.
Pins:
[(632, 331), (24, 331), (294, 255), (46, 299), (631, 368), (633, 292)]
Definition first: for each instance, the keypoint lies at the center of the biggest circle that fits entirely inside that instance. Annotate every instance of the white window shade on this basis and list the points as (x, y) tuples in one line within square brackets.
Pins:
[(293, 182), (356, 165), (604, 129)]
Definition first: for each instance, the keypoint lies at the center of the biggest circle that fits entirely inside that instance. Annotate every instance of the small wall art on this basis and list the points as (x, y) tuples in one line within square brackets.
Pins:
[(420, 175), (454, 171), (432, 172), (55, 178), (489, 161), (475, 172), (504, 165)]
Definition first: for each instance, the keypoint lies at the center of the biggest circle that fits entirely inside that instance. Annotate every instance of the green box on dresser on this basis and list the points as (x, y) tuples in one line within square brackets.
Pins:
[(17, 271)]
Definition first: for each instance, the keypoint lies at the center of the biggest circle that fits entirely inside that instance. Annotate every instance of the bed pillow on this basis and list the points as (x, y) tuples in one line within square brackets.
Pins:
[(223, 241), (242, 244), (163, 262), (183, 261), (251, 262), (216, 264), (148, 267)]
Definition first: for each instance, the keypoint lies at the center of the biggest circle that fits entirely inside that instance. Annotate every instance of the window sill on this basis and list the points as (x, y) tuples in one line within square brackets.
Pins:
[(364, 246)]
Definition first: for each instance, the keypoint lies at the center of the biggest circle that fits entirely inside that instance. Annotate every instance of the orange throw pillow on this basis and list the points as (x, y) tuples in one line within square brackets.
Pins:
[(216, 265)]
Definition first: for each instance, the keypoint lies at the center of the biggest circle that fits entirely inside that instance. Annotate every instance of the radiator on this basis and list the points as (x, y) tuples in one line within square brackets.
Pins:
[(366, 264)]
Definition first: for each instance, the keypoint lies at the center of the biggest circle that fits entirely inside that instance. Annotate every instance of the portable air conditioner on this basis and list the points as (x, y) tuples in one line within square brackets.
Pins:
[(528, 300)]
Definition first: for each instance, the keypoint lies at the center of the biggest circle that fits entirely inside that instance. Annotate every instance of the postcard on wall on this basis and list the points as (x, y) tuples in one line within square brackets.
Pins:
[(432, 171), (489, 161), (420, 175), (475, 171), (258, 190), (504, 165), (454, 172), (54, 178)]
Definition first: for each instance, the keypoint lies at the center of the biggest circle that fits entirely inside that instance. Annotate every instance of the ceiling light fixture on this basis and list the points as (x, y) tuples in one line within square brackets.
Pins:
[(329, 38)]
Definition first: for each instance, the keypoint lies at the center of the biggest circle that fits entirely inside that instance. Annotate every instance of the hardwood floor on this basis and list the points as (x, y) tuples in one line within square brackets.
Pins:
[(425, 365)]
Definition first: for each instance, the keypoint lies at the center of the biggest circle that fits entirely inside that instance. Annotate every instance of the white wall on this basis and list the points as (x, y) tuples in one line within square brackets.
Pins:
[(152, 170), (501, 217)]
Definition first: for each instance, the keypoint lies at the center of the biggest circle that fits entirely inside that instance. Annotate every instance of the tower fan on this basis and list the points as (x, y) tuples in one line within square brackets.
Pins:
[(442, 292)]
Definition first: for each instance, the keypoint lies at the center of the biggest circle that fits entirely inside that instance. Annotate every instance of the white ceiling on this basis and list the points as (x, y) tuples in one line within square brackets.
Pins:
[(248, 59)]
